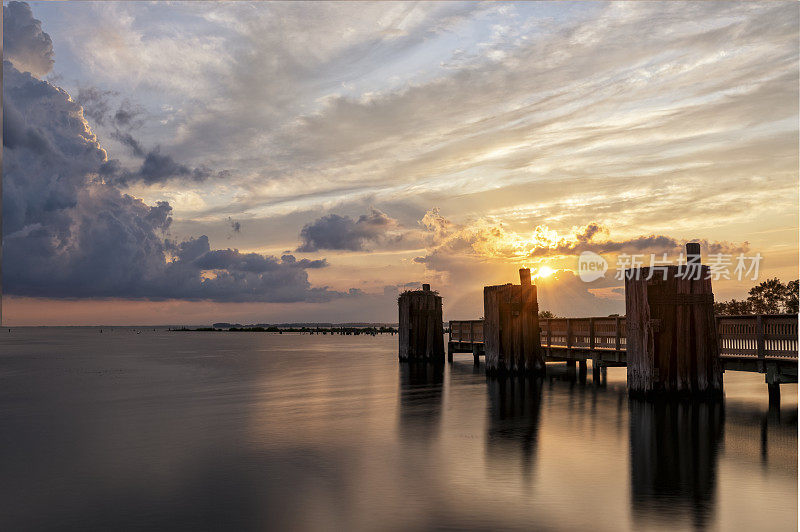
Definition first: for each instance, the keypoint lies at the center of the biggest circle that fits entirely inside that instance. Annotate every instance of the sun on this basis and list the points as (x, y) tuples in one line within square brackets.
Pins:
[(544, 271)]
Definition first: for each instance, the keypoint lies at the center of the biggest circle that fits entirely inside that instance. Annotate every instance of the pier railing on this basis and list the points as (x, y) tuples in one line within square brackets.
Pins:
[(763, 336), (467, 331), (583, 333), (768, 336)]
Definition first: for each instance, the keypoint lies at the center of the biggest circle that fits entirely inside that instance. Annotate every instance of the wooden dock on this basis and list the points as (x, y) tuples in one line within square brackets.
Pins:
[(758, 343), (670, 341)]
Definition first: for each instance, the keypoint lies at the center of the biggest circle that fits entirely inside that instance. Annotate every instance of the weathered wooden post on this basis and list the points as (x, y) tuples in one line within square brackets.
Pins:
[(511, 336), (421, 331), (671, 332)]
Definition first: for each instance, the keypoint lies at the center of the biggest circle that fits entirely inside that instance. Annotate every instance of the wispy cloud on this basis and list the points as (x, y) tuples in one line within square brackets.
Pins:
[(527, 123)]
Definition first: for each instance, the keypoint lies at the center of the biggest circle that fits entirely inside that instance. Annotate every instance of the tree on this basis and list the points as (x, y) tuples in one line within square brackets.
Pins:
[(546, 315), (734, 307), (767, 297), (790, 298)]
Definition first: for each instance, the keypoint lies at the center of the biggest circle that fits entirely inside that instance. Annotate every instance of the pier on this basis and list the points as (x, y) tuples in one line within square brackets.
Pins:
[(763, 344), (670, 340)]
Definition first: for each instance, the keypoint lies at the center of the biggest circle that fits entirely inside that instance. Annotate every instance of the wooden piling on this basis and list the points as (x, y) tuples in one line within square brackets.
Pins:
[(671, 332), (421, 332), (511, 328)]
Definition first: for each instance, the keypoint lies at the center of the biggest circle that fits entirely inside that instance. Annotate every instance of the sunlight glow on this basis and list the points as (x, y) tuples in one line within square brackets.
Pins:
[(544, 271)]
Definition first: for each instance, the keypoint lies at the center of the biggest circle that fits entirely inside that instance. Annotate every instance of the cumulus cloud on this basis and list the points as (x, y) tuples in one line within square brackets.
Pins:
[(25, 45), (70, 234), (345, 233)]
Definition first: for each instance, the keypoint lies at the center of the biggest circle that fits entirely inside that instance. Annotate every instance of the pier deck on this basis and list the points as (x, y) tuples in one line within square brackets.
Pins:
[(757, 343)]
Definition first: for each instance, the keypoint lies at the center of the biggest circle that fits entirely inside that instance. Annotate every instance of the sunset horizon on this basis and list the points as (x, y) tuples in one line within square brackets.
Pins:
[(375, 266), (282, 176)]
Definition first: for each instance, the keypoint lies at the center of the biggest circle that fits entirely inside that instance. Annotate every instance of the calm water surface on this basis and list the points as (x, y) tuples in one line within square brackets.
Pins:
[(244, 431)]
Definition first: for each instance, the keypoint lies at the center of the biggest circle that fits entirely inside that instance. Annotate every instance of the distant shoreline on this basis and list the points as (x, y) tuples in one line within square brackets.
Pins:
[(370, 330)]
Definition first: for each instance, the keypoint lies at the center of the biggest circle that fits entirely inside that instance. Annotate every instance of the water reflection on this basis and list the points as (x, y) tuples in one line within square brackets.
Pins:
[(255, 432), (768, 438), (674, 448), (420, 399), (514, 407)]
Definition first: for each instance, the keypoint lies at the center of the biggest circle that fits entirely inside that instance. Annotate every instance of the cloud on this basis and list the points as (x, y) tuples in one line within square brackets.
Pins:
[(25, 45), (236, 226), (156, 167), (345, 233), (617, 114), (95, 103), (127, 115), (128, 140), (71, 234), (550, 103), (491, 240), (565, 294)]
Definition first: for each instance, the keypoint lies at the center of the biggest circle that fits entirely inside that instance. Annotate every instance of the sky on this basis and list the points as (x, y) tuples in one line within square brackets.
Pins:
[(187, 163)]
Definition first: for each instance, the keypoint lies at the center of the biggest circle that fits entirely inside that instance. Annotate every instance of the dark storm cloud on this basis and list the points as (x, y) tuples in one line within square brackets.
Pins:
[(128, 140), (156, 167), (17, 134), (232, 259), (95, 103), (69, 234), (127, 115), (191, 249), (98, 104), (345, 233), (25, 45)]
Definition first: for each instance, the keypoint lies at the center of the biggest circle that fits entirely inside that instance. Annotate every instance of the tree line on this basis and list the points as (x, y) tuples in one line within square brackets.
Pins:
[(769, 297)]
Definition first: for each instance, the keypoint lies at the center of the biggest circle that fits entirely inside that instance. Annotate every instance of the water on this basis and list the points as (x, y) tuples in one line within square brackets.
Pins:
[(242, 431)]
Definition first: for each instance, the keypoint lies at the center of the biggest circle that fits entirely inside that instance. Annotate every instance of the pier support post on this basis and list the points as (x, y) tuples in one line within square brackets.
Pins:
[(511, 337), (572, 373), (671, 332), (421, 333)]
